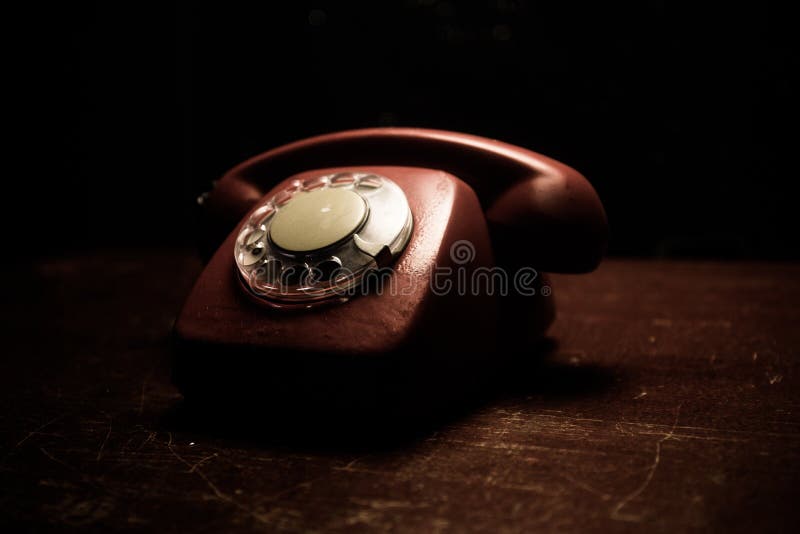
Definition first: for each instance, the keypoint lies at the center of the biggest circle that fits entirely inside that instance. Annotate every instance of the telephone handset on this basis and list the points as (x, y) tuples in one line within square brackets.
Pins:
[(449, 221)]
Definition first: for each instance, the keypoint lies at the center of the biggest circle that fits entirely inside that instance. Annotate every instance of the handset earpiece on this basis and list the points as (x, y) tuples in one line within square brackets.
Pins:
[(540, 212)]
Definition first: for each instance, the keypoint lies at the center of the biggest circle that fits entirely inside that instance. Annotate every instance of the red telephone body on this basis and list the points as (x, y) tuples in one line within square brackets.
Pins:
[(514, 208)]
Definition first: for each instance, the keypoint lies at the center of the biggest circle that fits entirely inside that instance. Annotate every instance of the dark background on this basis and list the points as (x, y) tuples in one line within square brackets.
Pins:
[(682, 117)]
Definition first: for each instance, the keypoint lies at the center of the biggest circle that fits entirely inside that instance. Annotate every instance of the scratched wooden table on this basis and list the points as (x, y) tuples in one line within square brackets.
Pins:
[(670, 403)]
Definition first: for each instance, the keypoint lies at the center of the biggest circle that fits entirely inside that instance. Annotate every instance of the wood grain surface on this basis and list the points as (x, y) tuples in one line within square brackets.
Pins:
[(668, 402)]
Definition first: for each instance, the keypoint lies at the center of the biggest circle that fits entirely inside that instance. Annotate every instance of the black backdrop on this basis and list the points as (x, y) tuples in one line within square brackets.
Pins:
[(682, 117)]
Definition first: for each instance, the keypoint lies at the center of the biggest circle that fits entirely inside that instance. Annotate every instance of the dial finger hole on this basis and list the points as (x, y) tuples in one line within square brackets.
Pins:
[(282, 198), (249, 235), (314, 184), (266, 274), (342, 179), (252, 254), (325, 270), (262, 214), (294, 187), (370, 181), (254, 237)]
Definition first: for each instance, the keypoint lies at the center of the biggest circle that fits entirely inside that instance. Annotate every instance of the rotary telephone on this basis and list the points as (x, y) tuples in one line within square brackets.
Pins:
[(379, 261)]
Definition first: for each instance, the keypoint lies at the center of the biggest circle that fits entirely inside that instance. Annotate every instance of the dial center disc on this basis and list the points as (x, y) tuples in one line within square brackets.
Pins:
[(317, 219)]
